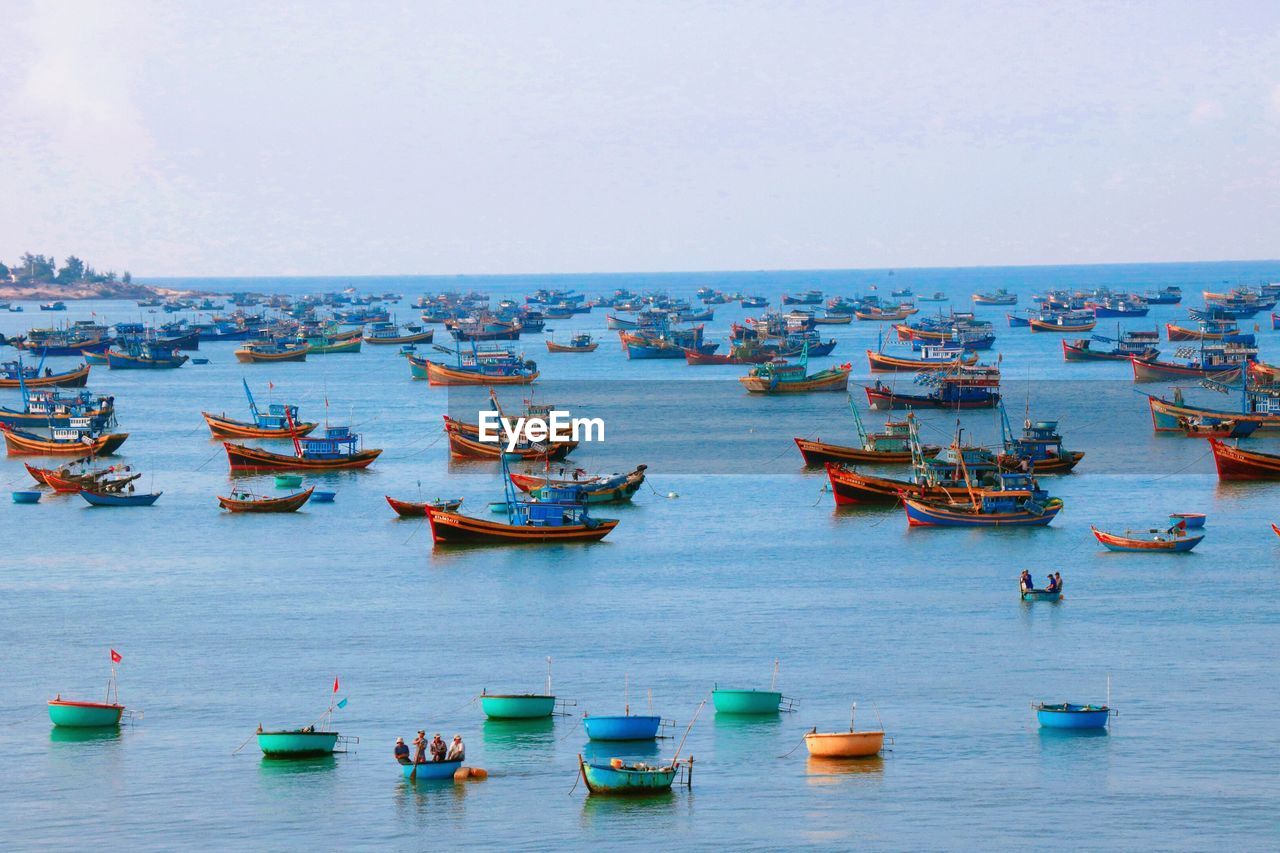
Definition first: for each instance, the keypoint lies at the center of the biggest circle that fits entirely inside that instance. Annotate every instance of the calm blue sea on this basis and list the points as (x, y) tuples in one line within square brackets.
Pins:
[(733, 557)]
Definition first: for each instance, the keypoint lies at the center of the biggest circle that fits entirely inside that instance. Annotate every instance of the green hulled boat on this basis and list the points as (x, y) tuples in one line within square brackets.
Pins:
[(84, 715), (300, 743), (322, 345), (746, 701), (518, 706)]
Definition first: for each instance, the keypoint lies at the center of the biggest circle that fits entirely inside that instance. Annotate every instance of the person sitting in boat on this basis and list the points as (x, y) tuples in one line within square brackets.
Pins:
[(402, 751), (420, 743), (1057, 581), (1052, 586), (457, 751), (438, 748)]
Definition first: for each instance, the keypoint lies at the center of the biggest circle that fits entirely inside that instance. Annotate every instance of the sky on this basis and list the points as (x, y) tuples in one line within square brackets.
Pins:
[(295, 138)]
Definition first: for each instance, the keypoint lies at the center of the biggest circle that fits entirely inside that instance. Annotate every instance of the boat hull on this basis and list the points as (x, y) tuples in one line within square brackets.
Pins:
[(84, 715), (603, 779), (288, 503), (816, 453), (223, 427), (441, 374), (297, 744), (455, 528), (1158, 371), (29, 444), (1165, 416), (627, 727), (517, 707), (124, 361), (746, 701), (77, 378), (111, 499), (248, 356), (834, 380), (244, 458), (844, 744), (925, 514), (887, 400), (1134, 545), (430, 771), (1072, 717), (1234, 463)]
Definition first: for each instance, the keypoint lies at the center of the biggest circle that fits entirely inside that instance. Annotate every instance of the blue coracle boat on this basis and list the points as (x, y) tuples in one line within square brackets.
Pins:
[(616, 777), (1065, 715), (623, 727), (430, 770)]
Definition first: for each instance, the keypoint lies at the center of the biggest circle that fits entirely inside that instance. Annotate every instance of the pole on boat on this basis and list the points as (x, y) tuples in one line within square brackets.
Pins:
[(688, 728), (853, 715), (549, 675), (774, 682), (626, 694), (1108, 690)]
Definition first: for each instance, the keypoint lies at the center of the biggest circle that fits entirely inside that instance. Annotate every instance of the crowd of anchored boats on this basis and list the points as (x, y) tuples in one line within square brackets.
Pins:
[(615, 776)]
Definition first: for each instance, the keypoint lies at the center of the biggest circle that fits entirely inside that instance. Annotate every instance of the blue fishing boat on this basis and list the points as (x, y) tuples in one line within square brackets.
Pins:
[(622, 727), (323, 497), (1017, 502), (430, 771), (960, 386), (24, 497), (119, 498), (1163, 296), (627, 779), (145, 355), (44, 408), (1065, 715)]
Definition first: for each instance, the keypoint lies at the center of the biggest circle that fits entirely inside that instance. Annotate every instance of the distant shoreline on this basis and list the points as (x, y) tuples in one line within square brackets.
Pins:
[(95, 290)]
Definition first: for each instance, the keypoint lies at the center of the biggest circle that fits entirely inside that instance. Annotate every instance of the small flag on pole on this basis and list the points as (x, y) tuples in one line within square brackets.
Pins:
[(115, 656), (271, 385), (335, 684), (343, 703)]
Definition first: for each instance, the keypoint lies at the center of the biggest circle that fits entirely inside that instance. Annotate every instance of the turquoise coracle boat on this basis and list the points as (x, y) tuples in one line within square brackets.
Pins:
[(1065, 715), (624, 727), (746, 701), (84, 715), (617, 777), (429, 770), (301, 743), (521, 706)]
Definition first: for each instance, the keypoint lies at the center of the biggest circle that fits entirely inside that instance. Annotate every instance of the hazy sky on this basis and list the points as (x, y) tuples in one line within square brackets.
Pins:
[(413, 137)]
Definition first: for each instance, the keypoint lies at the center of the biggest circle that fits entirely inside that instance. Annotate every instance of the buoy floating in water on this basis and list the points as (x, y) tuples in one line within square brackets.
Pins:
[(468, 774), (672, 495)]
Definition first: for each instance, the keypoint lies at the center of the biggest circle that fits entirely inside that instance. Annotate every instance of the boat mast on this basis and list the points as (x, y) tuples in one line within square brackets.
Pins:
[(857, 419), (549, 675), (774, 682)]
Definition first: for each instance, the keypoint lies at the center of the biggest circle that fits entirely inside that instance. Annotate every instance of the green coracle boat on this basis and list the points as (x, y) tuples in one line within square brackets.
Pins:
[(84, 715), (300, 743), (746, 701), (520, 706)]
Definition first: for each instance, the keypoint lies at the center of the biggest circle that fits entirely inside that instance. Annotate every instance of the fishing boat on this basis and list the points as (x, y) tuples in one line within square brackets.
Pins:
[(78, 438), (747, 702), (578, 343), (242, 500), (411, 509), (478, 367), (628, 779), (1163, 296), (1063, 321), (1235, 463), (51, 407), (957, 387), (338, 448), (430, 771), (1171, 539), (1258, 405), (465, 443), (809, 297), (62, 343), (389, 333), (279, 421), (1018, 502), (1065, 715), (1207, 331), (1199, 427), (517, 706), (297, 743), (1122, 305), (27, 497), (145, 355), (893, 446), (616, 488), (1125, 345), (626, 726), (331, 344), (779, 376), (946, 476), (66, 713), (848, 744), (271, 352), (933, 356), (887, 314), (1224, 360), (997, 297), (1192, 520), (1041, 594), (119, 499), (14, 375), (1039, 446)]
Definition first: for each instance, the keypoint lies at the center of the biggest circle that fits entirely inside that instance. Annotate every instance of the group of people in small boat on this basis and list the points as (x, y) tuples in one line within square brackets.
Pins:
[(1054, 583), (440, 751)]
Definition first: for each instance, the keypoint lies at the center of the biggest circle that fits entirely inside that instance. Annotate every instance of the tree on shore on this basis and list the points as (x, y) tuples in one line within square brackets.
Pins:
[(41, 269)]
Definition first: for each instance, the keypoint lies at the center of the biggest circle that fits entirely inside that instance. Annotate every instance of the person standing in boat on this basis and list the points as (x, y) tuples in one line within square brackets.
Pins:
[(1057, 581), (457, 752), (1026, 582), (438, 748), (420, 743), (402, 751)]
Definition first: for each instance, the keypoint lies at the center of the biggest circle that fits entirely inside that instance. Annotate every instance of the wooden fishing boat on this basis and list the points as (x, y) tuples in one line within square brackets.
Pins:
[(64, 345), (332, 345), (778, 376), (517, 706), (271, 352), (1213, 428), (578, 343), (958, 387), (1234, 463), (410, 509), (508, 371), (146, 356), (336, 449), (245, 501), (66, 713), (1172, 539), (997, 297), (619, 778), (1265, 405), (1065, 715), (119, 499), (618, 488), (850, 744), (430, 771), (10, 373), (900, 312), (1222, 360), (1215, 333), (1018, 502), (50, 407), (466, 444), (934, 356), (538, 523), (71, 440), (1126, 345), (389, 333), (1039, 446), (1061, 324), (893, 446), (279, 421), (297, 743)]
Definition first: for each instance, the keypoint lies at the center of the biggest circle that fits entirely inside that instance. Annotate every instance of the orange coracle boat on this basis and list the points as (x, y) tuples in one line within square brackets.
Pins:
[(71, 379), (573, 526), (1236, 464), (249, 502), (224, 427), (848, 744), (65, 441)]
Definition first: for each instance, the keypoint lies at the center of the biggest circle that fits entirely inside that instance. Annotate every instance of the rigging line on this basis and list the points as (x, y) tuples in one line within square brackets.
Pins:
[(797, 746), (1184, 467)]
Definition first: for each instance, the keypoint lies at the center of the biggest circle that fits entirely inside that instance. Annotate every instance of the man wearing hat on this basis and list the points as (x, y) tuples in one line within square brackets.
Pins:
[(438, 748), (420, 742), (457, 751), (402, 751)]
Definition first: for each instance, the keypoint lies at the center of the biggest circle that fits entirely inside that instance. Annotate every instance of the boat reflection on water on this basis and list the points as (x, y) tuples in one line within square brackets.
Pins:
[(619, 813), (63, 734), (829, 771), (631, 750), (520, 735), (272, 767), (423, 808)]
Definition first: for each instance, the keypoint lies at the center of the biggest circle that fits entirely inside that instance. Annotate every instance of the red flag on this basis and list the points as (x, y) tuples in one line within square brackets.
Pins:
[(335, 684), (115, 656), (271, 385)]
